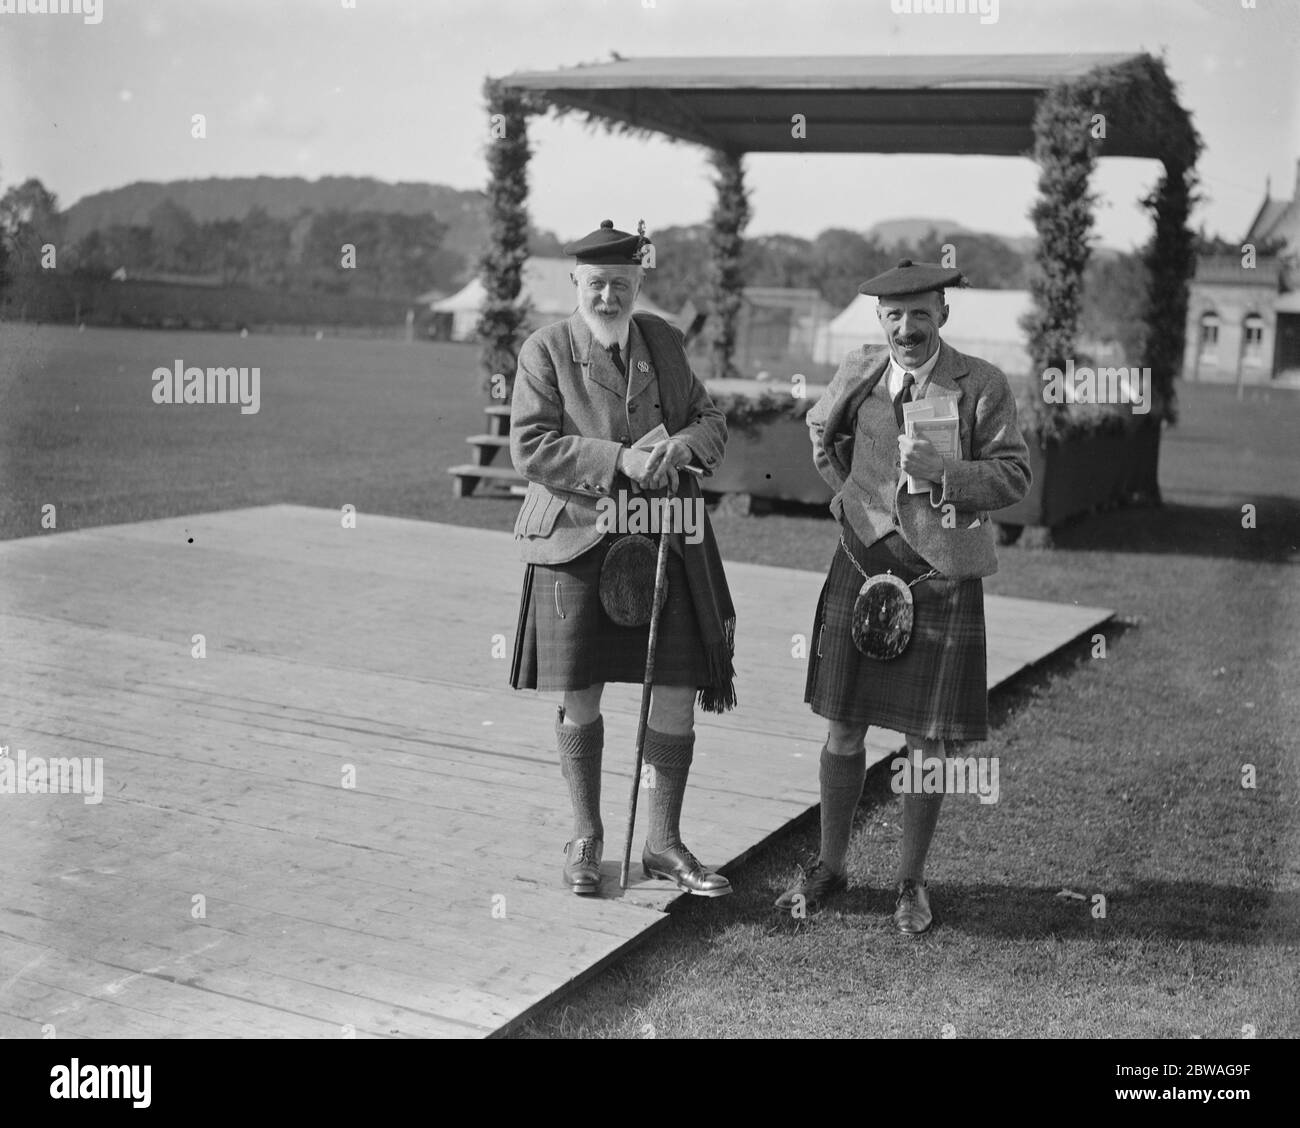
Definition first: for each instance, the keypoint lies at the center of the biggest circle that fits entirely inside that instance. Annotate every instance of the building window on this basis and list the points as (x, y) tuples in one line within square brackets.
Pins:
[(1253, 339), (1209, 332)]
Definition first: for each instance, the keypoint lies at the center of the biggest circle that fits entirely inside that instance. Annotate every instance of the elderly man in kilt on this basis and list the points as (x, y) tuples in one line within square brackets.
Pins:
[(587, 389), (935, 691)]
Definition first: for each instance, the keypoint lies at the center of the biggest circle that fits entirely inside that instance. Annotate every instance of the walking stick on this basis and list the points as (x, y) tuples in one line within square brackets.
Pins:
[(661, 568)]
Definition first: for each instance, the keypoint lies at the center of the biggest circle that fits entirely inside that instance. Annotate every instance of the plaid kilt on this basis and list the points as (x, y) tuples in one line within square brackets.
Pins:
[(565, 640), (937, 688)]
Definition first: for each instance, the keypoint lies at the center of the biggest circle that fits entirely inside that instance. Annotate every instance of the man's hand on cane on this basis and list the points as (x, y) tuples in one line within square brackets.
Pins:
[(666, 457), (656, 467)]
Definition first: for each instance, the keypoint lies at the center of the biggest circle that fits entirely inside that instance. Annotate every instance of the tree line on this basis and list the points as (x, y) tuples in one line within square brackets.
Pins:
[(834, 263), (398, 256), (359, 253)]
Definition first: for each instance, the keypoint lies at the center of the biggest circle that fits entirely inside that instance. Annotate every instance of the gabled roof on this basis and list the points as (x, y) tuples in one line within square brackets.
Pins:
[(850, 104), (1269, 214), (1226, 270)]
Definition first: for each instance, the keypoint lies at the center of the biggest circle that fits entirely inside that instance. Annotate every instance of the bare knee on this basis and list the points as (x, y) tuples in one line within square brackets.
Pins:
[(672, 709), (582, 706), (845, 738)]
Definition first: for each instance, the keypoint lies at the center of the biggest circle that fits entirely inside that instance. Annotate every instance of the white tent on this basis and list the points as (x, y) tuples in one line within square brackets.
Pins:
[(546, 285), (984, 323)]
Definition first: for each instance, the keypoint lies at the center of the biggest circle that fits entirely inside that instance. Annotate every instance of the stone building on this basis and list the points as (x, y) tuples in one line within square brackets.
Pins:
[(1243, 313)]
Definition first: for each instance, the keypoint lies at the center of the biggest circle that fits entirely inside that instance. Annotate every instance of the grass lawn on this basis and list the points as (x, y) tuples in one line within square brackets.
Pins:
[(1120, 775)]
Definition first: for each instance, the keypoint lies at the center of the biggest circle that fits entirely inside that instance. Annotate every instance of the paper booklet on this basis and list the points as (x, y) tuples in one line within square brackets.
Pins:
[(933, 418), (656, 435)]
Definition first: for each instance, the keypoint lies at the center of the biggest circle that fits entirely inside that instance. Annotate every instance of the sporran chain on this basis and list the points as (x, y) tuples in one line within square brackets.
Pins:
[(862, 571)]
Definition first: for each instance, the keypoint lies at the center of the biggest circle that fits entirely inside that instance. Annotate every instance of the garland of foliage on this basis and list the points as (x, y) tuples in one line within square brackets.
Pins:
[(1066, 152), (726, 279), (748, 413), (1170, 259), (502, 322)]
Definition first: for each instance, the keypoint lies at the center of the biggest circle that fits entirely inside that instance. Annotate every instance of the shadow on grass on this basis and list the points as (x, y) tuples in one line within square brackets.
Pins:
[(1148, 910), (1026, 684), (1192, 530), (1157, 910), (1179, 528)]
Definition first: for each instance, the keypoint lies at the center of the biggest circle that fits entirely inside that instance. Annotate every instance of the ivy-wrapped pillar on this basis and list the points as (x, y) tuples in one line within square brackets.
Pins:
[(1170, 260), (1064, 149), (1138, 98), (502, 322), (726, 244)]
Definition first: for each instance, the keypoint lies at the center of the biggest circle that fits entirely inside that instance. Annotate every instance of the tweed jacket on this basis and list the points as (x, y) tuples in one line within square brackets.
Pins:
[(572, 414), (950, 525)]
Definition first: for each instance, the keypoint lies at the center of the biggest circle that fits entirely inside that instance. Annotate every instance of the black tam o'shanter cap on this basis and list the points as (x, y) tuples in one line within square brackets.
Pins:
[(607, 247), (910, 277)]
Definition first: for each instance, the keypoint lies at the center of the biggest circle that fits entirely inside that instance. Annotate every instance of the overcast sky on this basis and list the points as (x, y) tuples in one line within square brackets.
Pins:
[(392, 89)]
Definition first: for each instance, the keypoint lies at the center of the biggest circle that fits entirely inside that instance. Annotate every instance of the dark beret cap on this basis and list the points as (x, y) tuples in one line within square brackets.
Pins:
[(607, 247), (910, 277)]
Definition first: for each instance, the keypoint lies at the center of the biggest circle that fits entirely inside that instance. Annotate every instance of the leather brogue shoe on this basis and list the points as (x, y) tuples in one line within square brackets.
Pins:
[(813, 889), (582, 864), (679, 865), (912, 914)]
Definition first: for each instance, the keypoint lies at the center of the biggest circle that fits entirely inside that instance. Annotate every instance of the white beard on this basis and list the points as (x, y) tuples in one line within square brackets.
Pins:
[(605, 331)]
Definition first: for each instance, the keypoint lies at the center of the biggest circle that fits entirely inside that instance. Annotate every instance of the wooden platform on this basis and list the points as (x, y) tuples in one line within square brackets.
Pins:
[(230, 884)]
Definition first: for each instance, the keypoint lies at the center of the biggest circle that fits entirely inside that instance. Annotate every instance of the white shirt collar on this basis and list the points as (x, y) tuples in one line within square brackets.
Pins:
[(922, 374)]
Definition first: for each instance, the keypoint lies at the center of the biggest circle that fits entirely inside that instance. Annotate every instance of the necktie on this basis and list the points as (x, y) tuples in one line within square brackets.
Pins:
[(904, 396), (618, 360)]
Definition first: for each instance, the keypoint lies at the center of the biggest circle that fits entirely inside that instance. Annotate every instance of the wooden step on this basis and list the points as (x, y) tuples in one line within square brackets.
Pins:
[(498, 417), (487, 447), (468, 477)]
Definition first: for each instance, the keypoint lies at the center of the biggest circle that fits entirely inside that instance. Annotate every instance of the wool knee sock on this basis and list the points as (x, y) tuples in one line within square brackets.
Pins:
[(580, 748), (920, 816), (669, 756), (841, 786)]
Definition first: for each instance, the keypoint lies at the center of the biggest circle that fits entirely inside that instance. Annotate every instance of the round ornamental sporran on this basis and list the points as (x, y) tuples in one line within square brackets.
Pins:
[(627, 580), (882, 617), (882, 612)]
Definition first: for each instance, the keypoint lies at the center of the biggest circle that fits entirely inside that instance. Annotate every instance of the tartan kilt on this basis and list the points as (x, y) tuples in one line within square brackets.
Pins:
[(937, 688), (564, 639)]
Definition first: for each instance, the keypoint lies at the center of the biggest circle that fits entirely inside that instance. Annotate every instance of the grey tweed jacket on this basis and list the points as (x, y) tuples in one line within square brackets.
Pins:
[(950, 525)]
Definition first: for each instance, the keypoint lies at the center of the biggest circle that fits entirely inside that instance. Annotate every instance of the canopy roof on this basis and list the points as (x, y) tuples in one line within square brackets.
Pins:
[(851, 104)]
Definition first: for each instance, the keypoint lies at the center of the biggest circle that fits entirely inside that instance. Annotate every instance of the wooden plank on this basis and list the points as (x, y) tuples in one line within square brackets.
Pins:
[(384, 647), (495, 473)]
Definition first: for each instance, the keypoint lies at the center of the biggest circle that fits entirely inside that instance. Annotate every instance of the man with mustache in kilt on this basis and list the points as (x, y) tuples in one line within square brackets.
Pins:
[(935, 691), (586, 390)]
